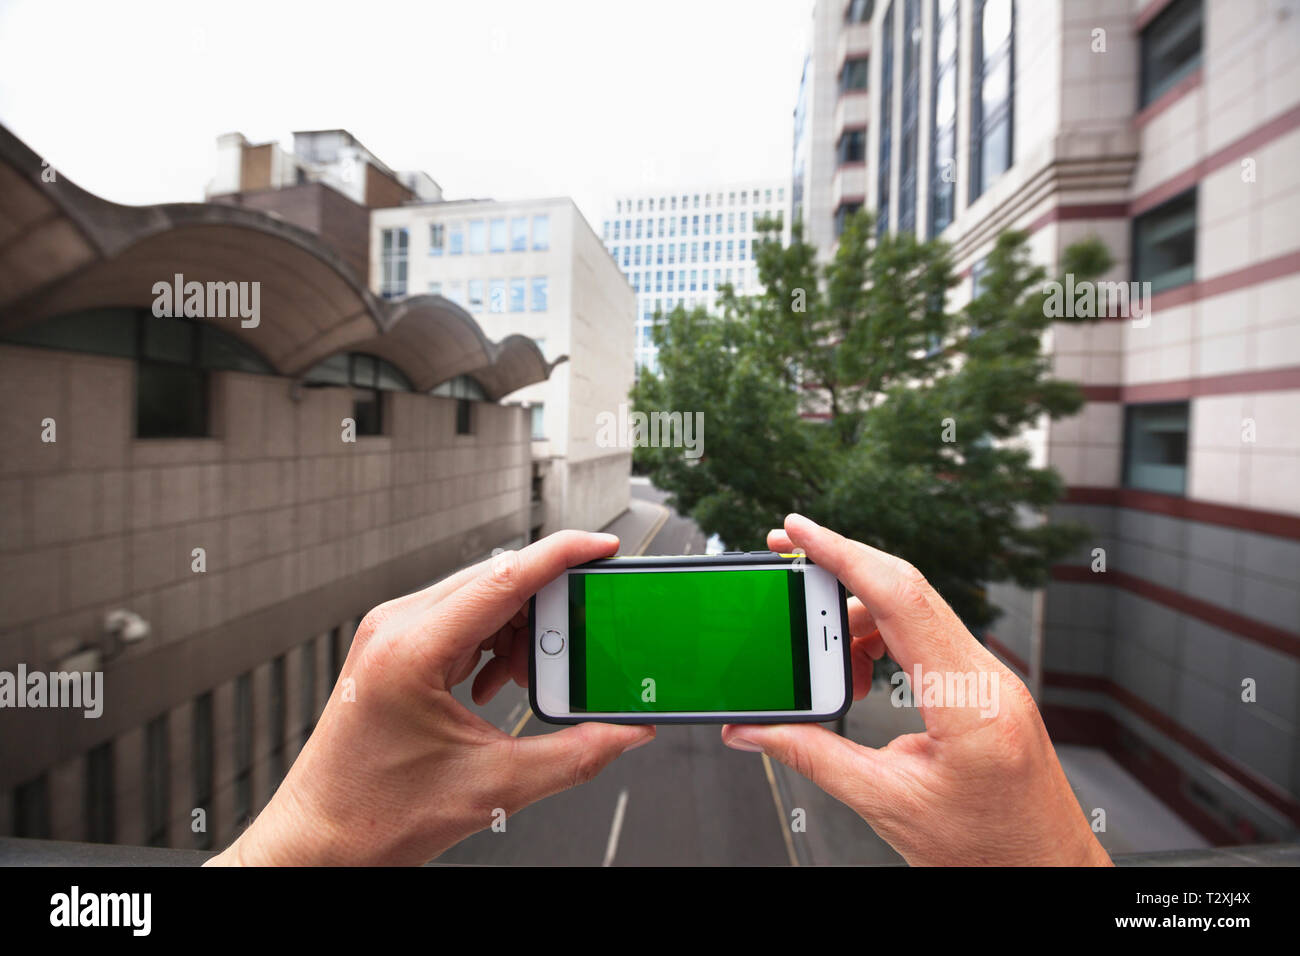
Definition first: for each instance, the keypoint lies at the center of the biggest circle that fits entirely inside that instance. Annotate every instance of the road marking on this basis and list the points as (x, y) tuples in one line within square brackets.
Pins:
[(780, 812), (520, 726), (658, 526), (612, 846), (514, 711)]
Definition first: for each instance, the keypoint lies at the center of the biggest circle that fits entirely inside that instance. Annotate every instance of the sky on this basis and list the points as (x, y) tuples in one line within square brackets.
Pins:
[(505, 99)]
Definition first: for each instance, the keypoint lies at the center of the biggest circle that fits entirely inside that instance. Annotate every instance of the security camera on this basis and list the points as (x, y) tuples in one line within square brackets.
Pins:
[(125, 626)]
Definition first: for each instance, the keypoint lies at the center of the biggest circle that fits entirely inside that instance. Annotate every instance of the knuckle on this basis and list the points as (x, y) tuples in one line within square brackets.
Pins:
[(913, 591), (586, 764), (506, 571)]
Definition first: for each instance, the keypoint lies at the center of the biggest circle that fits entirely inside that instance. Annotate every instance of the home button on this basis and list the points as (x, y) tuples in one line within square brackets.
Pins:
[(552, 642)]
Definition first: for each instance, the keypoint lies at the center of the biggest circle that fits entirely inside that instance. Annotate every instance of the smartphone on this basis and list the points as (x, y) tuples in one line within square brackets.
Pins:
[(755, 637)]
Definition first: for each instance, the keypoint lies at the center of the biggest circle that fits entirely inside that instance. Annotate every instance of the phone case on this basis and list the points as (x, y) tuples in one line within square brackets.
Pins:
[(703, 561)]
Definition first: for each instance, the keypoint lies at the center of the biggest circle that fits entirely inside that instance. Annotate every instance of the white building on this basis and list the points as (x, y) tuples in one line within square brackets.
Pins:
[(532, 268), (677, 247)]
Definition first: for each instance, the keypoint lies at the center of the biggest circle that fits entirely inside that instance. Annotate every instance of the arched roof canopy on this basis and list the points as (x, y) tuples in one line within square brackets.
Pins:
[(63, 249)]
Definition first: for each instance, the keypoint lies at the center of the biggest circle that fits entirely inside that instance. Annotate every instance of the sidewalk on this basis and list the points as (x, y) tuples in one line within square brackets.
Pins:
[(637, 526)]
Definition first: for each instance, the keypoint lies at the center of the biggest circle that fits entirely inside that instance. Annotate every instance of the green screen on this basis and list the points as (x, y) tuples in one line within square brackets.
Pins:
[(688, 641)]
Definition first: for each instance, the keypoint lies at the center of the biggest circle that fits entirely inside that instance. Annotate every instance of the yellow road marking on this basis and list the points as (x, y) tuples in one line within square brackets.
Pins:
[(663, 519), (780, 812), (522, 720)]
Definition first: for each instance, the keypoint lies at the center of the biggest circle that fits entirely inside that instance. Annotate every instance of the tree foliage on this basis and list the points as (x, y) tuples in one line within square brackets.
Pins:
[(832, 392)]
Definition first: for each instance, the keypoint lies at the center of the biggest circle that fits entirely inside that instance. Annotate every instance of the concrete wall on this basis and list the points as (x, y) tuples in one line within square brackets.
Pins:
[(303, 534)]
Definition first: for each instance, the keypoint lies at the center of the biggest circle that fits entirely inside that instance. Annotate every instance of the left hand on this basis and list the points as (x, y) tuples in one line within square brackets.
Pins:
[(403, 770)]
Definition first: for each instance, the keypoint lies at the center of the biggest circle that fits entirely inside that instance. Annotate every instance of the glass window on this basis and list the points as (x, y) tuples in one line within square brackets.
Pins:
[(519, 234), (497, 295), (1164, 243), (157, 782), (243, 809), (278, 724), (517, 295), (1155, 447), (540, 290), (541, 232), (909, 121), (201, 760), (884, 109), (943, 125), (456, 239), (538, 413), (101, 817), (991, 107), (436, 236), (476, 295), (852, 147), (497, 238), (1171, 47), (477, 236), (853, 77)]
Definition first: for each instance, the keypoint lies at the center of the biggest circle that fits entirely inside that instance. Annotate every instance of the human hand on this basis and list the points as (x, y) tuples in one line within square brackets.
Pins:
[(404, 771), (972, 789)]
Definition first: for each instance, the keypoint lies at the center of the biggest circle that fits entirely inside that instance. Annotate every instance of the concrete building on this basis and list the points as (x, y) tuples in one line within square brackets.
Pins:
[(533, 268), (244, 488), (1171, 130), (679, 246)]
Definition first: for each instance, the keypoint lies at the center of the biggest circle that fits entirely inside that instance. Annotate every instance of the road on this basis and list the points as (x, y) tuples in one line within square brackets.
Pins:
[(684, 799)]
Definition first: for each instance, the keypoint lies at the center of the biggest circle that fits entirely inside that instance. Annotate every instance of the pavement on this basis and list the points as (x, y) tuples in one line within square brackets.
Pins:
[(685, 799)]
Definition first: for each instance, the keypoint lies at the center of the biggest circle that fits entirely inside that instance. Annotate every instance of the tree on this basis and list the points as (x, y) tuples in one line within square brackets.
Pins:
[(851, 394)]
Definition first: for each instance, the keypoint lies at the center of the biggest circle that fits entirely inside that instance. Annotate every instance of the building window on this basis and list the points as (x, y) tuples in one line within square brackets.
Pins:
[(496, 295), (993, 88), (1155, 447), (393, 262), (517, 295), (307, 703), (1164, 243), (456, 241), (243, 749), (852, 147), (467, 393), (943, 125), (477, 237), (476, 295), (884, 163), (1171, 48), (157, 782), (909, 124), (538, 422), (32, 809), (540, 284), (853, 78), (436, 236), (101, 815), (497, 237), (519, 234), (277, 726), (202, 756), (541, 232), (842, 215), (368, 377)]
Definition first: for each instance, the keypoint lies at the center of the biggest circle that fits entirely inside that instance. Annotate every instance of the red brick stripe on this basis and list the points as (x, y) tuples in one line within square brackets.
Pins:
[(1232, 383), (1230, 516), (1261, 632)]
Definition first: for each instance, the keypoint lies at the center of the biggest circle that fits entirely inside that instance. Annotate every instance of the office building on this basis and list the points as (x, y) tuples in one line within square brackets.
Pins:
[(1171, 130), (678, 247)]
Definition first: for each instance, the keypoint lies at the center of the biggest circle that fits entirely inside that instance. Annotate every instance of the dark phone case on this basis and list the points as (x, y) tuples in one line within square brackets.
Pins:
[(690, 561)]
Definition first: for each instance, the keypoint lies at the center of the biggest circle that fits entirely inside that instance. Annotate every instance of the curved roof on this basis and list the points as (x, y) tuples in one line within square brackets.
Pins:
[(63, 249)]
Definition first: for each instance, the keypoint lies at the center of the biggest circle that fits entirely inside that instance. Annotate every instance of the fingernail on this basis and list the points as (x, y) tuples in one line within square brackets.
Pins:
[(639, 743), (608, 538), (737, 742), (800, 522)]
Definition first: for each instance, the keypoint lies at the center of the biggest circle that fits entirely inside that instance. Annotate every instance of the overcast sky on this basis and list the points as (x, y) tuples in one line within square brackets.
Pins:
[(493, 98)]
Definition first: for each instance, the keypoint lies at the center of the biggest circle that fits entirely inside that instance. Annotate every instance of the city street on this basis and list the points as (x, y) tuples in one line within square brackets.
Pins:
[(684, 799)]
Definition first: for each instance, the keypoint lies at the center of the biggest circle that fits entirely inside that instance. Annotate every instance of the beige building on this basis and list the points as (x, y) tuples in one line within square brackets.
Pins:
[(201, 506), (1171, 130), (531, 268)]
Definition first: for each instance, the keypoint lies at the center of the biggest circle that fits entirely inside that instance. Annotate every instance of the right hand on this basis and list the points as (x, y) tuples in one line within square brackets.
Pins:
[(971, 789)]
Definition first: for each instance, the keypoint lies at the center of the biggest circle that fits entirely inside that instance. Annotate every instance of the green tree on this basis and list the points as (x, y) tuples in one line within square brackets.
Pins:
[(850, 393)]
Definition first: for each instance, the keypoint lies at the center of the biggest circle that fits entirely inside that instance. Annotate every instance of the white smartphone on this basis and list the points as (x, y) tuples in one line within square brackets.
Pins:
[(755, 637)]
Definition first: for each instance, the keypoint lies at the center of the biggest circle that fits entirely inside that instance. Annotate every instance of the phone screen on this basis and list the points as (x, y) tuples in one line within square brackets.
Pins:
[(688, 641)]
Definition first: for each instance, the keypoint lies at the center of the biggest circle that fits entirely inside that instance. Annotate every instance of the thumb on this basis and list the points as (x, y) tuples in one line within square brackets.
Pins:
[(853, 774), (550, 763)]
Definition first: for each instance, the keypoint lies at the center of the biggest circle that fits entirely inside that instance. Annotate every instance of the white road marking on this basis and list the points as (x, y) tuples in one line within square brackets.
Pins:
[(513, 713), (612, 846)]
